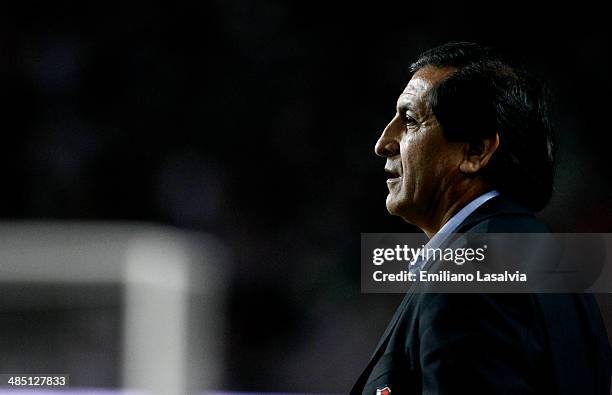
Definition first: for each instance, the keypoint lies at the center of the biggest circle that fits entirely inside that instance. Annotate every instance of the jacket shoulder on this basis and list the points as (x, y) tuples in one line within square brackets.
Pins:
[(510, 223), (502, 215)]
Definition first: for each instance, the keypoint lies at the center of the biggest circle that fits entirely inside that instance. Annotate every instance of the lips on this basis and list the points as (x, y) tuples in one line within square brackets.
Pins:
[(392, 175)]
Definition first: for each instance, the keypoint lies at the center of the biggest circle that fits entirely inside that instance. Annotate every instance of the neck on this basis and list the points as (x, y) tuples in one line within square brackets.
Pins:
[(448, 205)]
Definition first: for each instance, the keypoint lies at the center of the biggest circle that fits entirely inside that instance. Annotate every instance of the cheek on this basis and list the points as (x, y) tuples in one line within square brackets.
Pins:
[(442, 162), (447, 166), (427, 158), (414, 153)]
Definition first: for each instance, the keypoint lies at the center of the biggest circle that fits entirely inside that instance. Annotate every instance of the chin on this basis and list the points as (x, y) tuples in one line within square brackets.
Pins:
[(393, 206), (401, 208)]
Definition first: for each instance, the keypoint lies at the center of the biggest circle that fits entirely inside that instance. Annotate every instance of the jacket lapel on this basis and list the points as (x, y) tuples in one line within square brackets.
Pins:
[(382, 345), (498, 205)]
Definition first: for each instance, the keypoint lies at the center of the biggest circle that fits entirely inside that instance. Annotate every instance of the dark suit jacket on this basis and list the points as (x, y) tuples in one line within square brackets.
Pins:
[(492, 343)]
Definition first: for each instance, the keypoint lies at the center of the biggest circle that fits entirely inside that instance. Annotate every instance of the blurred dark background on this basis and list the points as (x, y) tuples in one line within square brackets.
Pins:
[(256, 121)]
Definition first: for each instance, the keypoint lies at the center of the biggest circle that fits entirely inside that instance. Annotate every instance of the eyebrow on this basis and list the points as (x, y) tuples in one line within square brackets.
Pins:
[(404, 106)]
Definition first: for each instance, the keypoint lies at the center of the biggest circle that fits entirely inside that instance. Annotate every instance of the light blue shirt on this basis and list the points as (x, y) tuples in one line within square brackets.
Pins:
[(452, 225)]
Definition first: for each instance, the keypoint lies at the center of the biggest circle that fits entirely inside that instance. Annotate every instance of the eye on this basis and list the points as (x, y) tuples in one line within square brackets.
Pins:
[(409, 121)]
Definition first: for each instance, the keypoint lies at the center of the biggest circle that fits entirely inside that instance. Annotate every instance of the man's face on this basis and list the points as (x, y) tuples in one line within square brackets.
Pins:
[(420, 160)]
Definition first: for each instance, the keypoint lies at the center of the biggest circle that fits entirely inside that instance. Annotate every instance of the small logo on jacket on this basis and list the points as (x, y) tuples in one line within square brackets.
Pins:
[(383, 391)]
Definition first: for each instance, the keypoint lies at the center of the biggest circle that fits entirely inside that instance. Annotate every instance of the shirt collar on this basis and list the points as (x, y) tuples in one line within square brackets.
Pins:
[(453, 223)]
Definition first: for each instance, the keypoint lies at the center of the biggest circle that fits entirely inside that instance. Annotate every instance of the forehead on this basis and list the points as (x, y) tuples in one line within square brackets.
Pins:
[(422, 81)]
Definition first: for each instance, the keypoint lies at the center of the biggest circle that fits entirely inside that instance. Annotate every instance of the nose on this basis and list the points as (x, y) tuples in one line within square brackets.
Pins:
[(387, 144)]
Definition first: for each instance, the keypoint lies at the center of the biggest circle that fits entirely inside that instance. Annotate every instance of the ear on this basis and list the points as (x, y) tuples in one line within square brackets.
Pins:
[(477, 154)]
